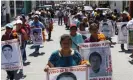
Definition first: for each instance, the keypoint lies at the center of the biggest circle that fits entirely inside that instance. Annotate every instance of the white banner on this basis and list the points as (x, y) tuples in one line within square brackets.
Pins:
[(11, 58), (68, 73), (130, 38), (99, 56), (36, 36), (85, 34), (122, 32), (106, 28)]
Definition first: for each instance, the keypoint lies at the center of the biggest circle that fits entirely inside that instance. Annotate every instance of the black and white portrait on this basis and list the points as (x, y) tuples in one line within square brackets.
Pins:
[(37, 36), (10, 54)]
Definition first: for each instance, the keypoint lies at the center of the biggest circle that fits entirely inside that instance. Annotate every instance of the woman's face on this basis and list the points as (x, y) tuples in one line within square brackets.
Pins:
[(66, 78), (94, 32), (7, 52), (66, 43)]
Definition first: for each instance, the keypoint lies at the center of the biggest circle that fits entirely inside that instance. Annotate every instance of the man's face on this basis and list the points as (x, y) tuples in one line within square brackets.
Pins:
[(66, 43), (73, 31), (124, 31), (95, 62), (36, 19), (66, 78), (7, 52)]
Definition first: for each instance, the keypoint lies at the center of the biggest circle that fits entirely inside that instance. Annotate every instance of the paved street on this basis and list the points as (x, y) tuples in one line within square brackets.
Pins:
[(122, 69)]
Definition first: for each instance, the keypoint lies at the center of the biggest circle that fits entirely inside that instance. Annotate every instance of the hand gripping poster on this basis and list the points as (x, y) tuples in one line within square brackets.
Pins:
[(99, 56), (106, 28), (11, 58), (36, 36), (122, 32), (130, 38), (68, 73)]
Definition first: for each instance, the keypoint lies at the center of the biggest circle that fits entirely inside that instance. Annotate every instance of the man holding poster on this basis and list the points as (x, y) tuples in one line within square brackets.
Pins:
[(9, 58)]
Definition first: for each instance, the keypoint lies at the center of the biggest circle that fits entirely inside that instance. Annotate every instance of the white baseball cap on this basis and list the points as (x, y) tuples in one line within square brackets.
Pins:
[(18, 22)]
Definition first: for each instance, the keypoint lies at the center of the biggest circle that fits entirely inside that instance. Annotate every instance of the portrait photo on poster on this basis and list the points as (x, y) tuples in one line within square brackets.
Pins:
[(124, 30), (97, 59), (106, 29), (66, 76), (37, 35), (10, 55)]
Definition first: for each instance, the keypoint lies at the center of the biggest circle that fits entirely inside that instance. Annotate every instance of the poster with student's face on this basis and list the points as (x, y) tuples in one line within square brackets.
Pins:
[(68, 73), (11, 58), (130, 38), (122, 32), (36, 36), (99, 56), (106, 28)]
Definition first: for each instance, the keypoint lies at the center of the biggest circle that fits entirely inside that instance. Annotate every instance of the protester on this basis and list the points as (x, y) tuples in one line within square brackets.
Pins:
[(76, 37), (37, 24), (60, 16), (49, 26), (23, 37), (66, 56), (123, 18), (95, 35), (9, 35)]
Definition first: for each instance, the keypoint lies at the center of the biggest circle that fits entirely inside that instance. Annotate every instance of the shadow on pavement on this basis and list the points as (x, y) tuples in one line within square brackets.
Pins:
[(131, 62), (19, 76), (49, 40), (126, 51), (37, 54), (33, 47), (26, 63)]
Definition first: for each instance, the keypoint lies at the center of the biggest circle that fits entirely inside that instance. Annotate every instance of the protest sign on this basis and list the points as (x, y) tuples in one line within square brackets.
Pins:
[(68, 73), (122, 32), (130, 38), (99, 56), (11, 58), (36, 36), (85, 34), (106, 28)]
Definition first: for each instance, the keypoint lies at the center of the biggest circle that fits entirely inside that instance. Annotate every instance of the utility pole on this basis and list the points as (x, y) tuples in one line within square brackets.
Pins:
[(15, 12)]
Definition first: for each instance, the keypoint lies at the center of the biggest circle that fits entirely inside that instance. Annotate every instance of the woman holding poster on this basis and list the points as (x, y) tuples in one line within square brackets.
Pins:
[(95, 35), (66, 56)]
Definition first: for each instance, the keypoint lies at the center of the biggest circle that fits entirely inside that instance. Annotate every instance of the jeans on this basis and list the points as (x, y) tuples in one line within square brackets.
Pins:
[(11, 74), (37, 48), (122, 46), (23, 50), (59, 20), (49, 35)]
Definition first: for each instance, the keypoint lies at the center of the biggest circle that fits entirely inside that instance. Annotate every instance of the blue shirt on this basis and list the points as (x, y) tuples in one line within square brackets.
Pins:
[(37, 24), (77, 39), (60, 61)]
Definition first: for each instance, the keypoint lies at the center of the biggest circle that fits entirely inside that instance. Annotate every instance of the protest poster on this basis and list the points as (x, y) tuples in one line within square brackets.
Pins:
[(68, 73), (130, 38), (106, 28), (122, 32), (11, 58), (99, 56), (36, 36), (85, 34)]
